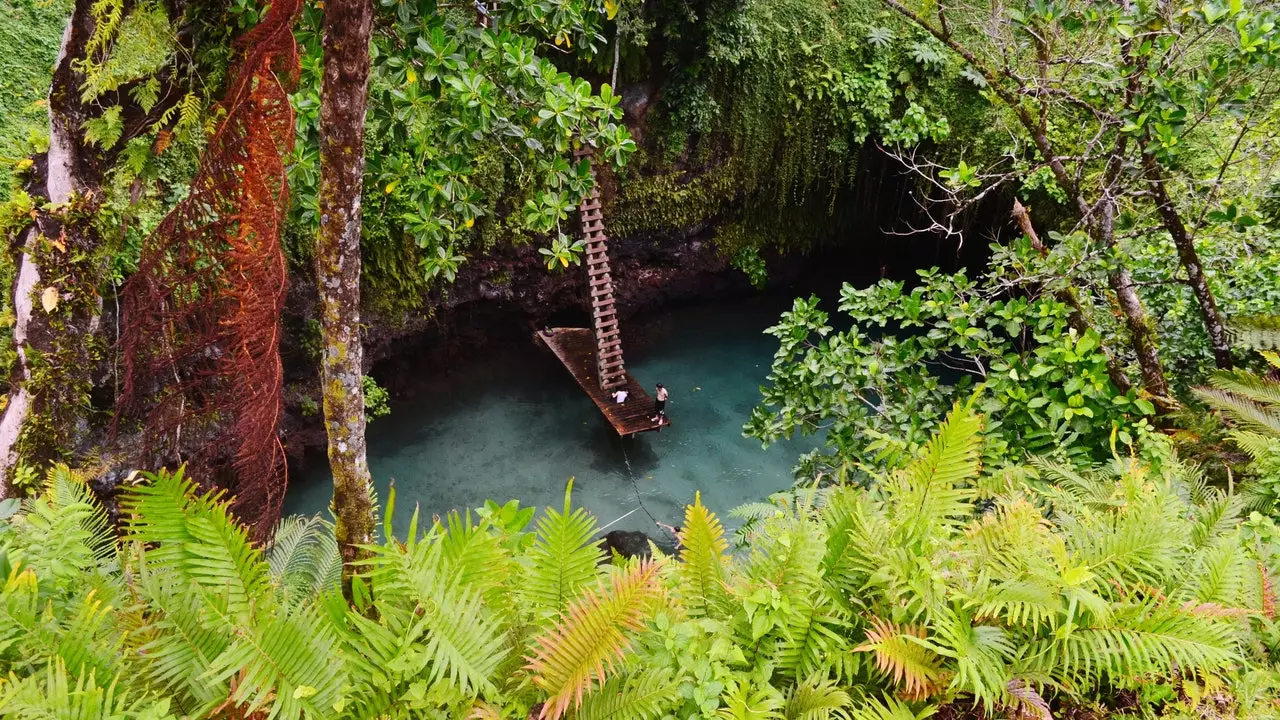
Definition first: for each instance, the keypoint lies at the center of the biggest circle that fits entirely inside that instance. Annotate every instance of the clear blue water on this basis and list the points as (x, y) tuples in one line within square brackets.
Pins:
[(514, 424)]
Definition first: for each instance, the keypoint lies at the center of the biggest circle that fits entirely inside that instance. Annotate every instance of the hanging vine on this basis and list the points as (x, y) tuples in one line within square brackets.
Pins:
[(202, 313)]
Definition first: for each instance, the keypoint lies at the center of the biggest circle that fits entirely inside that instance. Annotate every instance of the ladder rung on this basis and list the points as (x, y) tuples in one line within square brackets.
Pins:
[(601, 315), (611, 355), (600, 269), (593, 227)]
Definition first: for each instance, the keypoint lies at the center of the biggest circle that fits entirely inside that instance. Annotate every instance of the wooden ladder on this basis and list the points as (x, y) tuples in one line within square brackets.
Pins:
[(604, 313)]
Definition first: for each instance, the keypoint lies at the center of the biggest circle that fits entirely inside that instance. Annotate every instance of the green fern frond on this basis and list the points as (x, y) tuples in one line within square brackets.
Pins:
[(564, 558), (1261, 390), (56, 693), (195, 537), (747, 701), (421, 597), (953, 454), (1217, 516), (755, 511), (703, 560), (478, 559), (1146, 638), (1242, 409), (846, 560), (642, 696), (590, 639), (813, 634), (1219, 576), (1256, 445), (304, 558), (927, 494), (180, 639), (889, 709), (816, 699), (979, 655), (287, 663)]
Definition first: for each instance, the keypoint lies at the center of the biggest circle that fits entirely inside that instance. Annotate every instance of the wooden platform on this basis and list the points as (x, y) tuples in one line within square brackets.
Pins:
[(576, 348)]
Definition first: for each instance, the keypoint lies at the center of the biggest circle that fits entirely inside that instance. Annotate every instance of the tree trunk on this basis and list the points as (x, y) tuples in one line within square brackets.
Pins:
[(45, 418), (1068, 296), (1190, 259), (347, 28), (1134, 313)]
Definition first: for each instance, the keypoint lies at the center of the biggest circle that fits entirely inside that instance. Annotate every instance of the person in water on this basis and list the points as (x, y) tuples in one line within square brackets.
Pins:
[(620, 396), (660, 404)]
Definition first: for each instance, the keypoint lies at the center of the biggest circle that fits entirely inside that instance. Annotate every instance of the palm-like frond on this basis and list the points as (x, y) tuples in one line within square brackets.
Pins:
[(476, 557), (703, 560), (845, 562), (979, 655), (641, 696), (563, 559), (180, 638), (589, 640), (900, 655), (56, 693)]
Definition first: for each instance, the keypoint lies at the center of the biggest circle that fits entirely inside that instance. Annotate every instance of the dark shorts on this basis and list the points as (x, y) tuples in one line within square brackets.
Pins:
[(660, 406)]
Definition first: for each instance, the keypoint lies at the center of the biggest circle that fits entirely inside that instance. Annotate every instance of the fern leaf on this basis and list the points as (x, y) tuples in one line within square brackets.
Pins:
[(195, 537), (303, 558), (910, 665), (642, 696), (418, 590), (816, 700), (1241, 409), (589, 640), (563, 559), (288, 663), (703, 560), (889, 709)]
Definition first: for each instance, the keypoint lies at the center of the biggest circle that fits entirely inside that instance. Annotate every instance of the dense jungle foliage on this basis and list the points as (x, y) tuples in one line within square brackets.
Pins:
[(943, 587), (1048, 485)]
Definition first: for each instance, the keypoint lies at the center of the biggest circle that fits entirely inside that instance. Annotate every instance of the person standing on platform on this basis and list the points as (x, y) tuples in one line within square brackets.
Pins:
[(660, 404)]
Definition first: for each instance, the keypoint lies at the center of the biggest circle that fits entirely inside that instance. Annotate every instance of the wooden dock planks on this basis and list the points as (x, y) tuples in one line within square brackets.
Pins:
[(576, 349)]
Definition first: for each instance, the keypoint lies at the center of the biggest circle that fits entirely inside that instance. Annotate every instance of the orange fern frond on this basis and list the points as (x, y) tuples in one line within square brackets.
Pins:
[(913, 667), (590, 638), (1268, 592)]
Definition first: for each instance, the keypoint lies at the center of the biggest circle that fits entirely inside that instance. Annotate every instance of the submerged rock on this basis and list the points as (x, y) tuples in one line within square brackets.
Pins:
[(633, 543)]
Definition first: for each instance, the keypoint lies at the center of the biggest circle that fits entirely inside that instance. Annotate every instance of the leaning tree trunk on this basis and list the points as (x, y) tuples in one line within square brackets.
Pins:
[(55, 300), (347, 28), (1214, 325)]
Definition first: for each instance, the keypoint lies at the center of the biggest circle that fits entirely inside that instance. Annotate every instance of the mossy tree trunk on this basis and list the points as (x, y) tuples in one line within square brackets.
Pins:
[(347, 28)]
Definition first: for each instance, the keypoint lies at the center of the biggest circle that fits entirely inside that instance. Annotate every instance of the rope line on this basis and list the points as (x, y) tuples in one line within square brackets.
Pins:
[(631, 475)]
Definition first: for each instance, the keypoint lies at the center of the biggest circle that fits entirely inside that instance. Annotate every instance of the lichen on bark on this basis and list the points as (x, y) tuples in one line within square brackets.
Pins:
[(343, 96)]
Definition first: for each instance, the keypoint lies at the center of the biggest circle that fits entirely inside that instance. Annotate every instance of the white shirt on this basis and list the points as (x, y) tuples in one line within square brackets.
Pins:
[(620, 396)]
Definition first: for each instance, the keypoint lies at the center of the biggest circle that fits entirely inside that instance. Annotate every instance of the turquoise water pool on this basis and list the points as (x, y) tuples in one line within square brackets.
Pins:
[(513, 424)]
